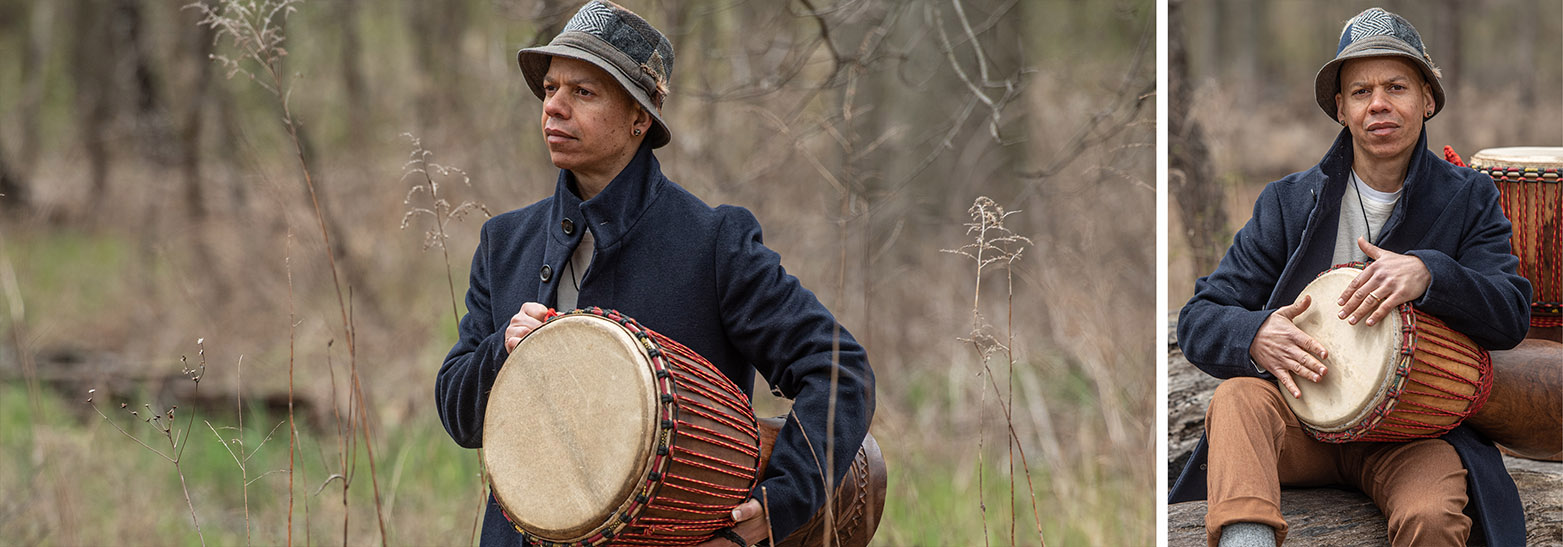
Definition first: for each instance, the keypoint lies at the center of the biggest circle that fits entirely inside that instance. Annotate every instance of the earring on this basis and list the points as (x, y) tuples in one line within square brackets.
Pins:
[(637, 131)]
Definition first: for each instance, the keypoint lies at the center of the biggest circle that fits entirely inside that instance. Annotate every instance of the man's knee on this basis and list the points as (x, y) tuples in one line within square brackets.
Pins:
[(1249, 397), (1438, 520)]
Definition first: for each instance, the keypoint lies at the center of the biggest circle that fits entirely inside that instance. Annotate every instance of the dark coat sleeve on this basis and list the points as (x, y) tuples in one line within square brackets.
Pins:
[(806, 356), (1478, 292), (1218, 324), (462, 386)]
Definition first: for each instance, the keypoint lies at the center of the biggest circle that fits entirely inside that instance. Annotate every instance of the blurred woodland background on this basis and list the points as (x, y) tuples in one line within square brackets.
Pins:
[(1242, 110), (154, 196)]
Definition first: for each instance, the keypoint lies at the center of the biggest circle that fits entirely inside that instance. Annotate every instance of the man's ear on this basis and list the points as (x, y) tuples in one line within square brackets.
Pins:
[(643, 119), (1340, 109)]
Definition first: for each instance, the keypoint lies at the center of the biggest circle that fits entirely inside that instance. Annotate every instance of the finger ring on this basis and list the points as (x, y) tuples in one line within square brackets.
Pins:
[(1375, 297)]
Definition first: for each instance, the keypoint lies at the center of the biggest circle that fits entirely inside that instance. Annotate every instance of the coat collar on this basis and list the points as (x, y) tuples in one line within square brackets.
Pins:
[(613, 211)]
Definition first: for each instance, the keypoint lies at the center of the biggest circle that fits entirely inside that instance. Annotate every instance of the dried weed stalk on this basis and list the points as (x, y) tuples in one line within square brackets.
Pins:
[(163, 422), (254, 29), (242, 457), (420, 165), (995, 245)]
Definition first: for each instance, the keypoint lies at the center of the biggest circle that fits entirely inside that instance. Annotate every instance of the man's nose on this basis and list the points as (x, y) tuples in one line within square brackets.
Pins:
[(554, 106), (1380, 102)]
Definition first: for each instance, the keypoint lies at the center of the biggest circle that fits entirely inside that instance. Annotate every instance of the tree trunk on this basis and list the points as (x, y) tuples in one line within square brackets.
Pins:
[(1200, 197), (13, 194), (93, 109), (353, 75)]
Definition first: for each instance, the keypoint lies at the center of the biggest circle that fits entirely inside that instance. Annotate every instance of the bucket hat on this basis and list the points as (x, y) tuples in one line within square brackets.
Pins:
[(620, 43), (1376, 33)]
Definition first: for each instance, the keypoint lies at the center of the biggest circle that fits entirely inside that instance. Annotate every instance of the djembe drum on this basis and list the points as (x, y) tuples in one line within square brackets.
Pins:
[(599, 430), (1531, 191), (1408, 377)]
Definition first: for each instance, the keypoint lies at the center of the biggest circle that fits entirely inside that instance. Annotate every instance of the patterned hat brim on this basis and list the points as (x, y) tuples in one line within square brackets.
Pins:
[(1326, 85), (534, 67)]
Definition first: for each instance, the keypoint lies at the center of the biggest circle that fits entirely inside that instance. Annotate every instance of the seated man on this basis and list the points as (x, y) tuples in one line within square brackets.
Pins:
[(1436, 237)]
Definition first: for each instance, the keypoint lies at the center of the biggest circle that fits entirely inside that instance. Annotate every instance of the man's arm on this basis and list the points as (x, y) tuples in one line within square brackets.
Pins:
[(1216, 328), (462, 386), (802, 351), (1478, 292)]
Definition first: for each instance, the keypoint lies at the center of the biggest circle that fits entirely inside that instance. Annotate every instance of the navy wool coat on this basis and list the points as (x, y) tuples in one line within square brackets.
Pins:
[(1447, 216), (696, 274)]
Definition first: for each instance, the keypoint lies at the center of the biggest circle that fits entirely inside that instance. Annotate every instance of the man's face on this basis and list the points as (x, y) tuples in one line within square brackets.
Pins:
[(588, 119), (1383, 101)]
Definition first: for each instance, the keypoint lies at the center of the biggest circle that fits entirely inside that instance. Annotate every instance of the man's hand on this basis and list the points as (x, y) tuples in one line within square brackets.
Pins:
[(530, 317), (752, 525), (1391, 280), (1283, 349)]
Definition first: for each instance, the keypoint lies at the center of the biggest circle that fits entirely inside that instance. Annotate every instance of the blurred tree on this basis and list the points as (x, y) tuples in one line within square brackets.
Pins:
[(13, 194), (1191, 180), (90, 74), (353, 87)]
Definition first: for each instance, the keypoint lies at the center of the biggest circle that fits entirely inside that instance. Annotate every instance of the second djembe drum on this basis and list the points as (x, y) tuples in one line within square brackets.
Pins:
[(1531, 192)]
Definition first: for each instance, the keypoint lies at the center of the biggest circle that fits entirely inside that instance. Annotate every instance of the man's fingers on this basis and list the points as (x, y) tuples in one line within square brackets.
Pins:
[(535, 310), (1383, 310), (747, 510), (1291, 311), (1306, 365), (1365, 300), (1370, 249), (1288, 383)]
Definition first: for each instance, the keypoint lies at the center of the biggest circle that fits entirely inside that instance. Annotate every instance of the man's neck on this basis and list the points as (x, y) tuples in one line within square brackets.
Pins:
[(590, 182), (1385, 175)]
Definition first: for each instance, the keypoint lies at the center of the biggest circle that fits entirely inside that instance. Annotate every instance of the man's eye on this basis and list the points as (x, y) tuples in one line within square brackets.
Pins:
[(583, 92)]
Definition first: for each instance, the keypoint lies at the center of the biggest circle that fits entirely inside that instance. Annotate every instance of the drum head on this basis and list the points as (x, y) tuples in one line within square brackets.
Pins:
[(1361, 359), (1519, 156), (569, 426)]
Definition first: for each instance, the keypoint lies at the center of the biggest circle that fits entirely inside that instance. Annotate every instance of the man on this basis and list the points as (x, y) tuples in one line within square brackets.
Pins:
[(1436, 237), (618, 234)]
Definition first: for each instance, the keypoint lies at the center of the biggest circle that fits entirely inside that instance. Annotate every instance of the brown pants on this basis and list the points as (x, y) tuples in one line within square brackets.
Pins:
[(1256, 446)]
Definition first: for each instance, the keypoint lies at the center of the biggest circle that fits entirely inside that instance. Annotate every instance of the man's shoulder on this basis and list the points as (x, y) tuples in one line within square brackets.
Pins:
[(1450, 178), (534, 213), (1296, 189), (690, 209)]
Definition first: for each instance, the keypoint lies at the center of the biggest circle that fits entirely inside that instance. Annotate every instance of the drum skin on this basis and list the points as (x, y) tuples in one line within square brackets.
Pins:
[(1525, 411), (857, 505)]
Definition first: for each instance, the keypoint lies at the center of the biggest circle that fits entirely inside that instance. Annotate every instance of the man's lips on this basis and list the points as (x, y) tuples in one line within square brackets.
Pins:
[(1382, 128), (554, 136)]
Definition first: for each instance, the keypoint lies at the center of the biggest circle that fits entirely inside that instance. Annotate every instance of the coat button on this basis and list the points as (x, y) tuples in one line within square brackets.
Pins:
[(546, 273), (568, 226)]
